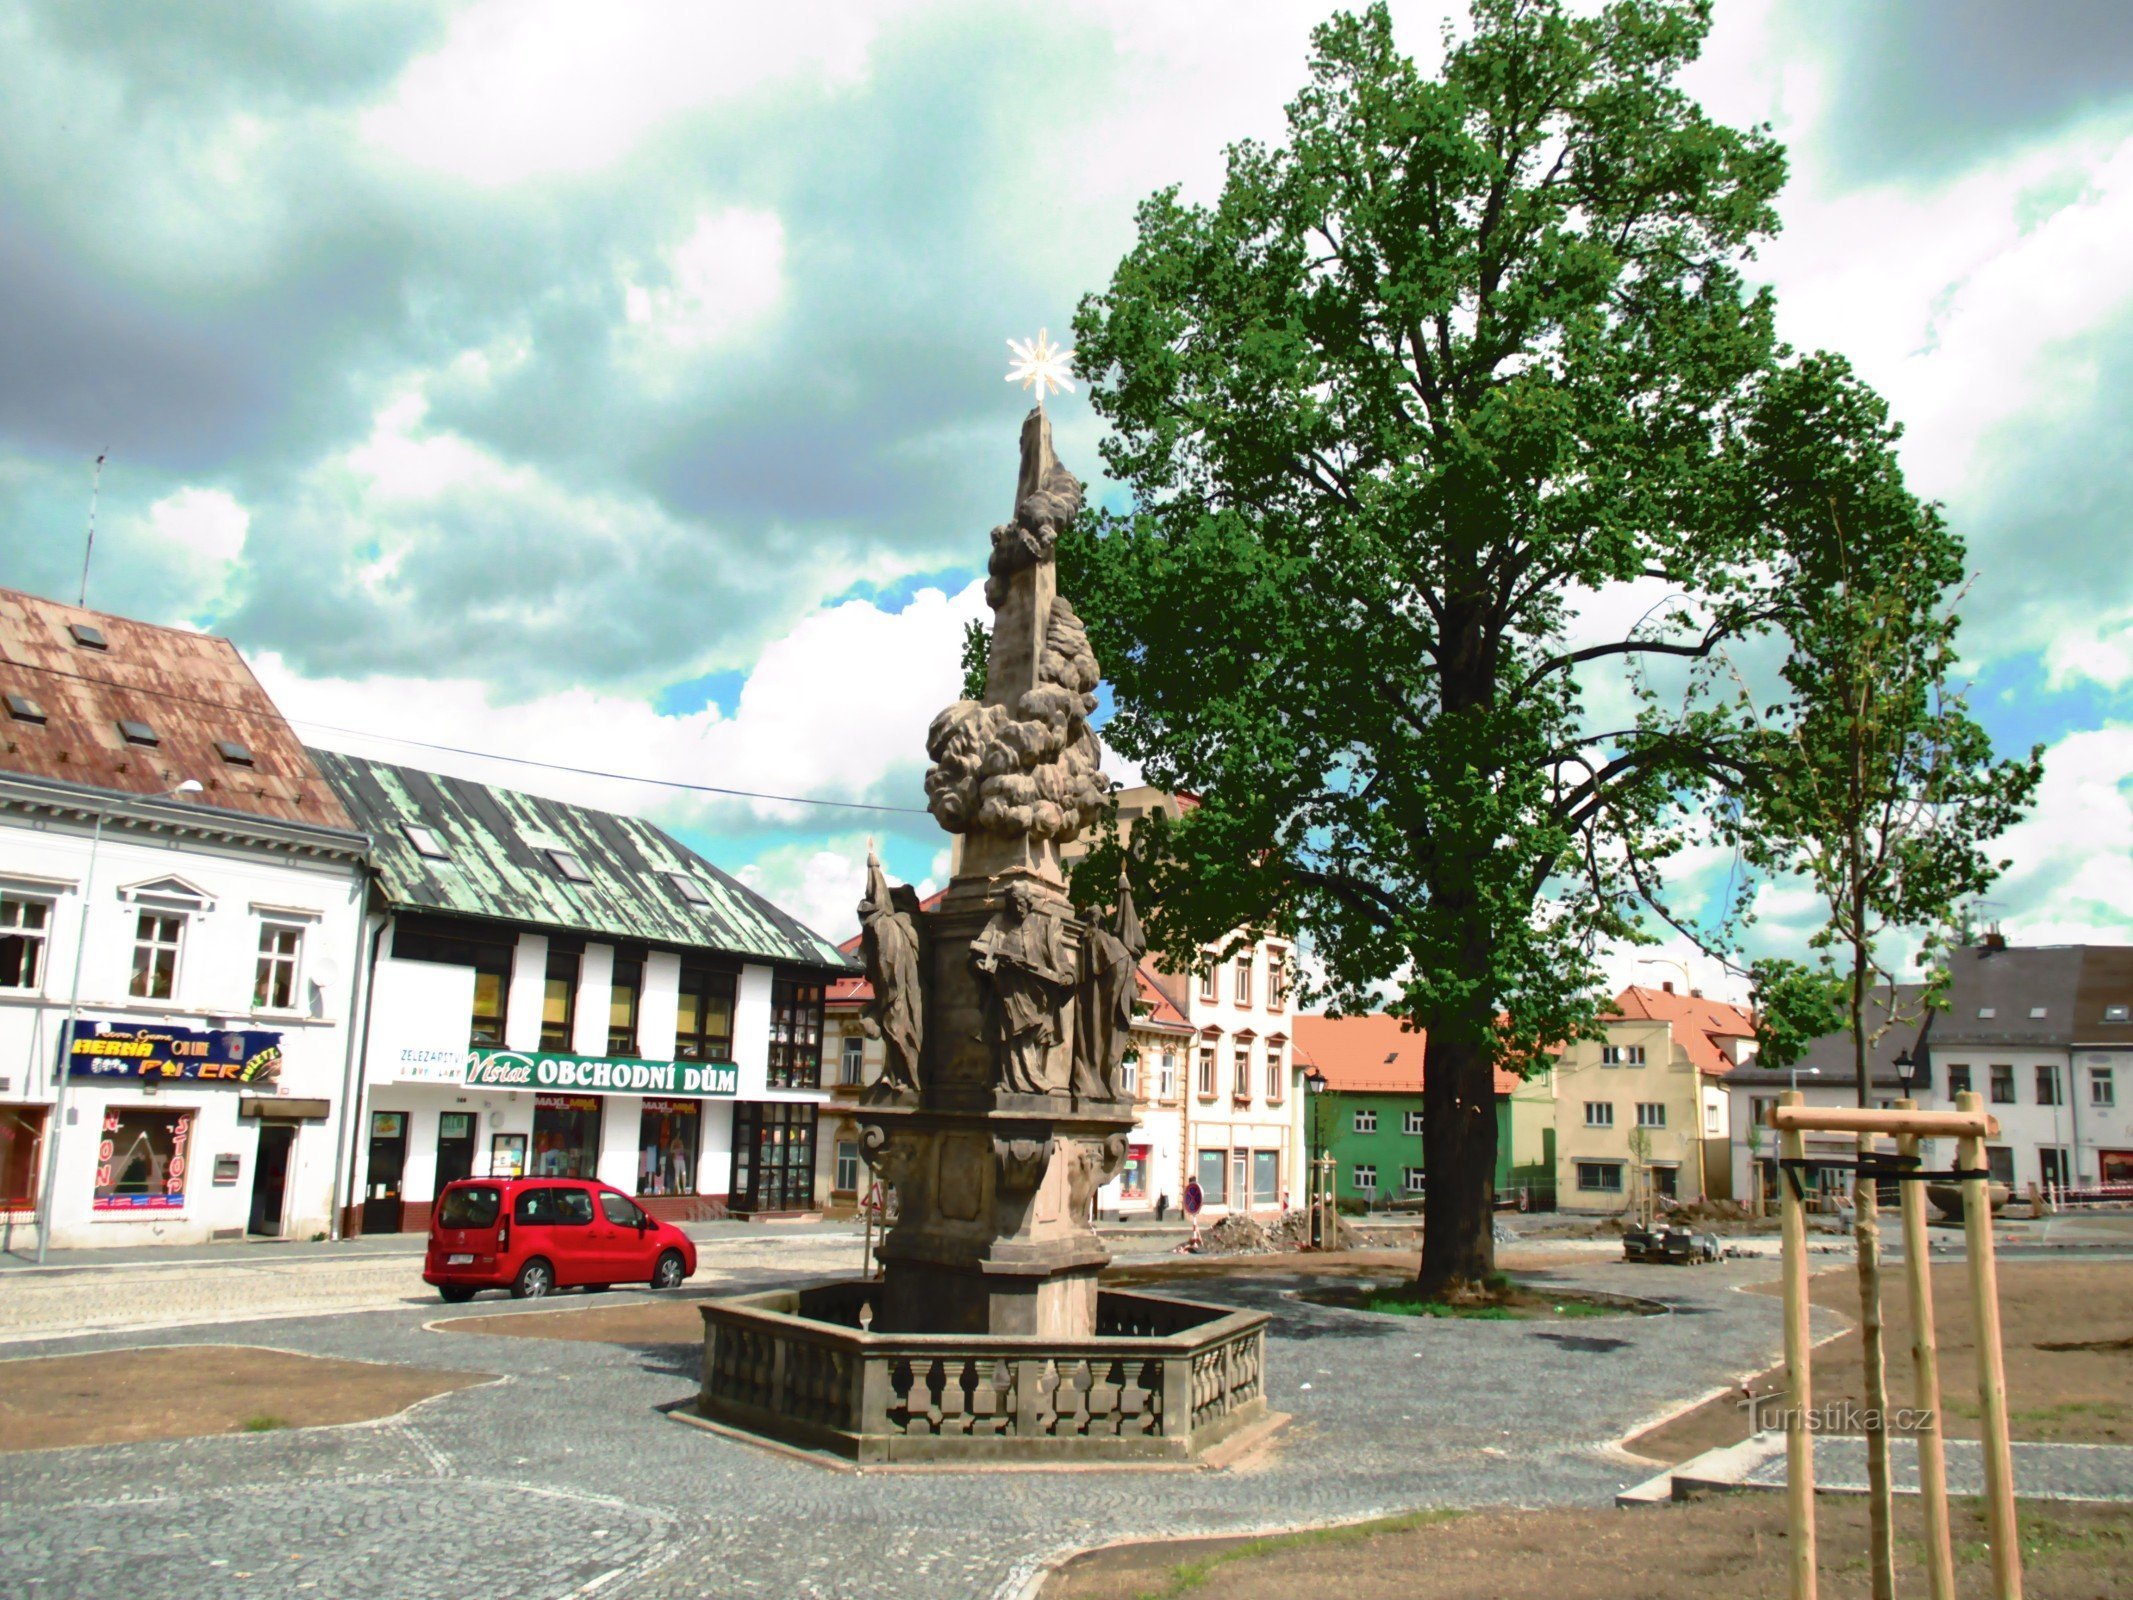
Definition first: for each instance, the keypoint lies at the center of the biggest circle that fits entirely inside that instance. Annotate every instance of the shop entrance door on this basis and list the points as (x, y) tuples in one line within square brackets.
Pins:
[(270, 1177), (455, 1148), (381, 1184)]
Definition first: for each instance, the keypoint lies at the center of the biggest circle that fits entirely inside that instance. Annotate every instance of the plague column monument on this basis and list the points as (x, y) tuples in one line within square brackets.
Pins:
[(1004, 1020)]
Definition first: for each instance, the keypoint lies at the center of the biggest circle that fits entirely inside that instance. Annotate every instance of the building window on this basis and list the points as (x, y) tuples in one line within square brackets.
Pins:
[(1411, 1180), (1207, 1075), (1710, 1118), (21, 1144), (425, 841), (1602, 1177), (1958, 1080), (1277, 1075), (2047, 1086), (1651, 1113), (669, 1136), (142, 1160), (1133, 1178), (1599, 1113), (2103, 1090), (1214, 1167), (1366, 1122), (156, 941), (1244, 979), (1365, 1176), (24, 927), (1129, 1075), (703, 1016), (2003, 1086), (851, 1064), (625, 989), (1166, 1083), (1621, 1055), (773, 1156), (795, 1033), (1277, 979), (274, 979), (566, 1136), (2118, 1013), (1999, 1164), (1759, 1108), (559, 1001), (1411, 1123), (1266, 1177), (1207, 982), (1240, 1083), (846, 1180)]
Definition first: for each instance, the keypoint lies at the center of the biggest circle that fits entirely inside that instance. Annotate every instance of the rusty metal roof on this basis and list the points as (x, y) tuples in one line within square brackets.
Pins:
[(189, 692), (500, 865)]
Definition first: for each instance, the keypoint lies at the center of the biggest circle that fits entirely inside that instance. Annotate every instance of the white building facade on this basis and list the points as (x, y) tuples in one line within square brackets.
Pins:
[(217, 955)]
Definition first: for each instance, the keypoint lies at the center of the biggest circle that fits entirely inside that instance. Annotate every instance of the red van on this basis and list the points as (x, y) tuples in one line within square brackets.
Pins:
[(535, 1235)]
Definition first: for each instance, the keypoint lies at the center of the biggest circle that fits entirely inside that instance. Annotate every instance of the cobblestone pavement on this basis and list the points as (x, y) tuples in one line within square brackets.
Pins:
[(2041, 1471), (138, 1295), (564, 1479)]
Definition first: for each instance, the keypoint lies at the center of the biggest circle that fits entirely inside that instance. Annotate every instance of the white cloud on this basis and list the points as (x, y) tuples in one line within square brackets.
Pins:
[(2072, 875), (729, 272), (208, 525)]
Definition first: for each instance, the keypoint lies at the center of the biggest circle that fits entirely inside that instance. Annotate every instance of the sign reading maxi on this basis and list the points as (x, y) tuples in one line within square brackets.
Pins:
[(520, 1069)]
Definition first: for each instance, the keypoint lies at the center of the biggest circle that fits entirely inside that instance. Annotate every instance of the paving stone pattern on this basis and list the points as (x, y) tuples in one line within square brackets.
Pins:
[(565, 1479), (2041, 1471)]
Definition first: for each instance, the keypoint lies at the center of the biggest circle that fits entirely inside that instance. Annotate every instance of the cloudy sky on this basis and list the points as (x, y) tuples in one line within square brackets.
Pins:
[(620, 386)]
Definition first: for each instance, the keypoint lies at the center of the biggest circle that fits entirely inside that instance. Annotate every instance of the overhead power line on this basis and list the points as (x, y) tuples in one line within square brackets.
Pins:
[(479, 755)]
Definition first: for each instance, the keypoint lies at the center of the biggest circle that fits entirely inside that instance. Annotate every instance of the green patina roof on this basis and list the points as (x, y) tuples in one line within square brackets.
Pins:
[(499, 869)]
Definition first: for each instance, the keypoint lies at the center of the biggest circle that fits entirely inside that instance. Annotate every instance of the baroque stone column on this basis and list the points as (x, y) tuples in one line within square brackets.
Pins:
[(1014, 1121)]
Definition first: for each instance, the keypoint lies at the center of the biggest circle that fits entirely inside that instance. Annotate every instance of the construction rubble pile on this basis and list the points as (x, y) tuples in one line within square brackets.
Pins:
[(1249, 1236)]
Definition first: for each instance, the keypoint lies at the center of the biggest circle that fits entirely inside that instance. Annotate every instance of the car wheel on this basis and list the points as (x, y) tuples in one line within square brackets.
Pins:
[(670, 1271), (535, 1279), (457, 1294)]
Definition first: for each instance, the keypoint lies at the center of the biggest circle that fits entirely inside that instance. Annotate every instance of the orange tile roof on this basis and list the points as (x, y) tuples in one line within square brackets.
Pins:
[(1374, 1053), (1696, 1023)]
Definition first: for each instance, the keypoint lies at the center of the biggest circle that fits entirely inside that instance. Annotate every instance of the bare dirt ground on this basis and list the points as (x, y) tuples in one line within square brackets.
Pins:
[(1733, 1546), (183, 1391), (2066, 1329)]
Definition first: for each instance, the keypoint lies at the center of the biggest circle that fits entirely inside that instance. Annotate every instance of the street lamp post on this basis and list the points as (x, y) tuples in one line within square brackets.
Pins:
[(47, 1190), (1314, 1086), (1804, 1072)]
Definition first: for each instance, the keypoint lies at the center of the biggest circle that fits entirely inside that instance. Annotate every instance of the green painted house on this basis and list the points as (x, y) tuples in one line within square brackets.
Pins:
[(1368, 1115)]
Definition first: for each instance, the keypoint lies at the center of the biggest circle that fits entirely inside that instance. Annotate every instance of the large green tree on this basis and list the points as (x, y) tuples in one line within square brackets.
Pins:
[(1468, 348), (1880, 789)]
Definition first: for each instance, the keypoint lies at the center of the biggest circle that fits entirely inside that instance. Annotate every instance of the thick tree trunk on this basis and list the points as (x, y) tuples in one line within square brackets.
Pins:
[(1459, 1165)]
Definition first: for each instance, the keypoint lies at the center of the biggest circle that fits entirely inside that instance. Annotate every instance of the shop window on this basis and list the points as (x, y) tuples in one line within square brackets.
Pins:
[(274, 978), (795, 1033), (1133, 1178), (669, 1135), (703, 1020), (1214, 1167), (846, 1180), (21, 1147), (1602, 1177), (142, 1160), (566, 1136), (773, 1156), (625, 989), (559, 1000), (1266, 1177), (25, 925)]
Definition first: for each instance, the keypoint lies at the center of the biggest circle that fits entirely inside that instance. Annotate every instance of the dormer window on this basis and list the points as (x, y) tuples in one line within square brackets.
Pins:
[(425, 842), (23, 709), (567, 863), (137, 732), (2118, 1014), (1987, 1013), (235, 754), (691, 891), (2035, 1012), (87, 637)]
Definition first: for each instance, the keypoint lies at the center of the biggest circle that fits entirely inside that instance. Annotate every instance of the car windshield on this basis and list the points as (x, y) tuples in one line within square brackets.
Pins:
[(469, 1208)]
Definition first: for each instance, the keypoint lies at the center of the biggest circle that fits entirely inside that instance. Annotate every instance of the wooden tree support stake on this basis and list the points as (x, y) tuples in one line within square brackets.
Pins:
[(1991, 1364), (1925, 1380), (1799, 1381)]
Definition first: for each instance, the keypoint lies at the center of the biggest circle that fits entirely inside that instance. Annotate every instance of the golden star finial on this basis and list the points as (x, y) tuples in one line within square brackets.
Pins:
[(1040, 364)]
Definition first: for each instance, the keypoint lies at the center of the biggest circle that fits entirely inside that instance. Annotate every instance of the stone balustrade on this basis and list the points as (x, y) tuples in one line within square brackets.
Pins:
[(1163, 1379)]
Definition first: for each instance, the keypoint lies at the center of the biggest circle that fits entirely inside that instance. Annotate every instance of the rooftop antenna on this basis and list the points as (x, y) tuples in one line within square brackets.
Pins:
[(96, 486)]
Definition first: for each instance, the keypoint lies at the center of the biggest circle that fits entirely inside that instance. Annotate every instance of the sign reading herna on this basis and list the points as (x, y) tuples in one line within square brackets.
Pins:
[(210, 1055), (522, 1069)]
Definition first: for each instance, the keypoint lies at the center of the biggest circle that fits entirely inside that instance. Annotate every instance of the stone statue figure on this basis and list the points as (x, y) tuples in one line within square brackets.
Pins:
[(1103, 1003), (1021, 954), (888, 922)]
